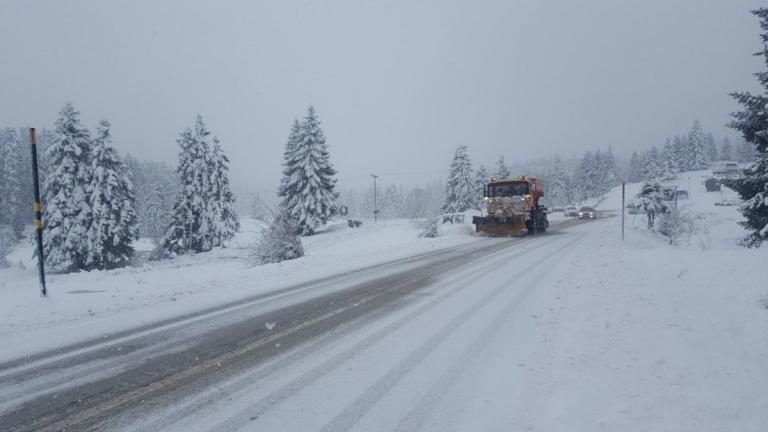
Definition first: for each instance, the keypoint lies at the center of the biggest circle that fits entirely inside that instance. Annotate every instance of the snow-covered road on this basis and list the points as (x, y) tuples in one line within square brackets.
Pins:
[(555, 332), (90, 383)]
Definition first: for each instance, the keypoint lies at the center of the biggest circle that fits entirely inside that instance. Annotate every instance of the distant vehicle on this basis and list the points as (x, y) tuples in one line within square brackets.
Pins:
[(726, 169), (672, 192), (712, 184), (587, 213), (570, 211)]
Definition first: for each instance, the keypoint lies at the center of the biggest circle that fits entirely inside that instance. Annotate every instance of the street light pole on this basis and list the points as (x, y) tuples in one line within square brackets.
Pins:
[(375, 205)]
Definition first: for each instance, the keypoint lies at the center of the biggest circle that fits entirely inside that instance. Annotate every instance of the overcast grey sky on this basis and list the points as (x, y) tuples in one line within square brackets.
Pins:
[(397, 84)]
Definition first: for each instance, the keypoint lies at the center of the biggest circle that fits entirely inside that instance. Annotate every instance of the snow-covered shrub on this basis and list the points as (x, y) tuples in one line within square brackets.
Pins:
[(280, 242), (675, 224), (650, 201), (430, 228)]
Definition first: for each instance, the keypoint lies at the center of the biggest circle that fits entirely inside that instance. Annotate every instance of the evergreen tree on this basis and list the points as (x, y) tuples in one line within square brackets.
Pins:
[(461, 187), (156, 187), (650, 201), (726, 151), (712, 153), (653, 168), (190, 227), (221, 202), (307, 189), (66, 213), (557, 187), (7, 240), (635, 173), (584, 177), (680, 153), (606, 171), (502, 172), (111, 200), (392, 202), (481, 179), (668, 158), (697, 149), (290, 149), (12, 186), (752, 122)]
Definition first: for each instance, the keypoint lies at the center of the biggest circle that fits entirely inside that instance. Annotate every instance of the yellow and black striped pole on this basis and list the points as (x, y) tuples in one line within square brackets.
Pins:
[(38, 212)]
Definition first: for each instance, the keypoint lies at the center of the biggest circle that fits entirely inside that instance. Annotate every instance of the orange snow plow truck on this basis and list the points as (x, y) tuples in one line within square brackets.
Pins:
[(512, 207)]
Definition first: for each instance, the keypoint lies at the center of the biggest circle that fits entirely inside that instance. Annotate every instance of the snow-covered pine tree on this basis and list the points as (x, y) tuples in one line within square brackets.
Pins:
[(697, 148), (557, 187), (752, 122), (598, 173), (726, 151), (481, 179), (607, 177), (635, 173), (681, 152), (392, 202), (12, 186), (290, 148), (653, 168), (461, 187), (221, 203), (113, 227), (650, 200), (66, 213), (584, 178), (307, 189), (668, 158), (190, 227), (7, 240), (156, 187), (502, 172), (711, 146)]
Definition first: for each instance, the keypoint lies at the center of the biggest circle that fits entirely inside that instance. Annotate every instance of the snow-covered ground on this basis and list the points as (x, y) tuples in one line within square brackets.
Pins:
[(577, 330), (86, 304)]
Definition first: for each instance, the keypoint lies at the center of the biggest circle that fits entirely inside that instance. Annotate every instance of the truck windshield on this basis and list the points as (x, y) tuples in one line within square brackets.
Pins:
[(507, 189)]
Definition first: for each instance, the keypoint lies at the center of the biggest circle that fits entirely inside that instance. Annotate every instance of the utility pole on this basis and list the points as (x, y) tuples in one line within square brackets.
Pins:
[(38, 212), (375, 205)]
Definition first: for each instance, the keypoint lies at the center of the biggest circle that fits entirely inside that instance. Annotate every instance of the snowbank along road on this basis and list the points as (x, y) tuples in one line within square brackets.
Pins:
[(380, 348)]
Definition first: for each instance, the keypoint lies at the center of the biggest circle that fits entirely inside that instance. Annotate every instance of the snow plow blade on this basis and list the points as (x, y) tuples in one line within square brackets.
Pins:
[(500, 228)]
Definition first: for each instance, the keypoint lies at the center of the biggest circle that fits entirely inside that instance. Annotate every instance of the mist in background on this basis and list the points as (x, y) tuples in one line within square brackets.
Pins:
[(397, 85)]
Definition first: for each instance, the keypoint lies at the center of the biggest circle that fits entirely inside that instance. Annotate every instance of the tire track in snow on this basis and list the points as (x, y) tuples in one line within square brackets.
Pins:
[(266, 403), (415, 418), (345, 420), (101, 407), (83, 364), (15, 370)]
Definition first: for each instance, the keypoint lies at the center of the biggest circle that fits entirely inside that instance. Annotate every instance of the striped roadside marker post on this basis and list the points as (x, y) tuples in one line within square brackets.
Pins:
[(38, 212)]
